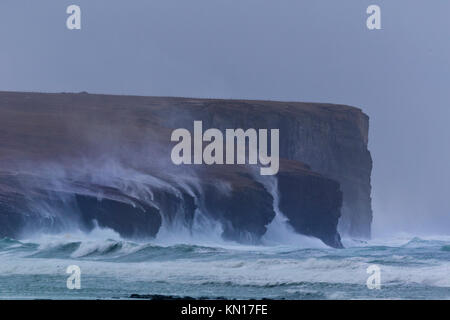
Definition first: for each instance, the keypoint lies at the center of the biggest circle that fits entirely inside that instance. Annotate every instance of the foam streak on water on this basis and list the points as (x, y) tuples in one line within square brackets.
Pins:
[(113, 268)]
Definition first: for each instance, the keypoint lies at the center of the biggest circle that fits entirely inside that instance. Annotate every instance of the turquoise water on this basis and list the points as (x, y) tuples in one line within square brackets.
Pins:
[(111, 268)]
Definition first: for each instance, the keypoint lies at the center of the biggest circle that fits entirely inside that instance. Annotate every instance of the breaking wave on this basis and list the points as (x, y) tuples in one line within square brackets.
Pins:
[(415, 268)]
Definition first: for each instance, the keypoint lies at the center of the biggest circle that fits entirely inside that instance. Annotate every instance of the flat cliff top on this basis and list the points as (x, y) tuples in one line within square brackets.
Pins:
[(161, 102)]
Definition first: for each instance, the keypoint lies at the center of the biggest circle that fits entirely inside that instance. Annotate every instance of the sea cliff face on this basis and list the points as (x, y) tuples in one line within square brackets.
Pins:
[(84, 160), (331, 139)]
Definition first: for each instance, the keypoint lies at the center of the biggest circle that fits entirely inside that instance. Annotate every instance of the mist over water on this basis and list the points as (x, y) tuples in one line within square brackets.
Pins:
[(174, 230)]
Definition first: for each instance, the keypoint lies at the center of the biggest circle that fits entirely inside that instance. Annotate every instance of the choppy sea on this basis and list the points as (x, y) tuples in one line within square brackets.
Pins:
[(112, 268)]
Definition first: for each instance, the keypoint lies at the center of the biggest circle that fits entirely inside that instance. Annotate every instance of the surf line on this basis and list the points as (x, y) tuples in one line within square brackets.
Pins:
[(235, 147)]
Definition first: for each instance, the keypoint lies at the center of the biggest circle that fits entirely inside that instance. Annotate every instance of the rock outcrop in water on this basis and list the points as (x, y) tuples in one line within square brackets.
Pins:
[(84, 160)]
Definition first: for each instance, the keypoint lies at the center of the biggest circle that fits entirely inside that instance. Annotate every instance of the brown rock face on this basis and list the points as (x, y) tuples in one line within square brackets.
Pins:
[(78, 133)]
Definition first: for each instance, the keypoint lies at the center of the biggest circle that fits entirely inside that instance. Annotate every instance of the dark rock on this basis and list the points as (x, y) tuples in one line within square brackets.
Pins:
[(131, 220), (245, 210), (312, 203)]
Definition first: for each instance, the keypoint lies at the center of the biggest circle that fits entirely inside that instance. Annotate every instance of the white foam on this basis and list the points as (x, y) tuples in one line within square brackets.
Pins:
[(279, 231), (258, 272)]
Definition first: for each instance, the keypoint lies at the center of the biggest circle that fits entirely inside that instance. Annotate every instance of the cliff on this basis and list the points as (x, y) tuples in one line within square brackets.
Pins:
[(331, 139), (106, 159)]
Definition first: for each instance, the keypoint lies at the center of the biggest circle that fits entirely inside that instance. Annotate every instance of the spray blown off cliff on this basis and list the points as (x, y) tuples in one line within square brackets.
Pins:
[(77, 161)]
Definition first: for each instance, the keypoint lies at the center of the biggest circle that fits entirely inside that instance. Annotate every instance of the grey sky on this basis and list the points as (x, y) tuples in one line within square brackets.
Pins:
[(313, 50)]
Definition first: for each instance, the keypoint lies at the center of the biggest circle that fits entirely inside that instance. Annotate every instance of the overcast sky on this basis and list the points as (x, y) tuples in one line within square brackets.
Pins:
[(300, 50)]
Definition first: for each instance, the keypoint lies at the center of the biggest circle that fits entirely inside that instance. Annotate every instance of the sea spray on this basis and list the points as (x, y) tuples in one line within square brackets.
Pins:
[(203, 230), (279, 231)]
